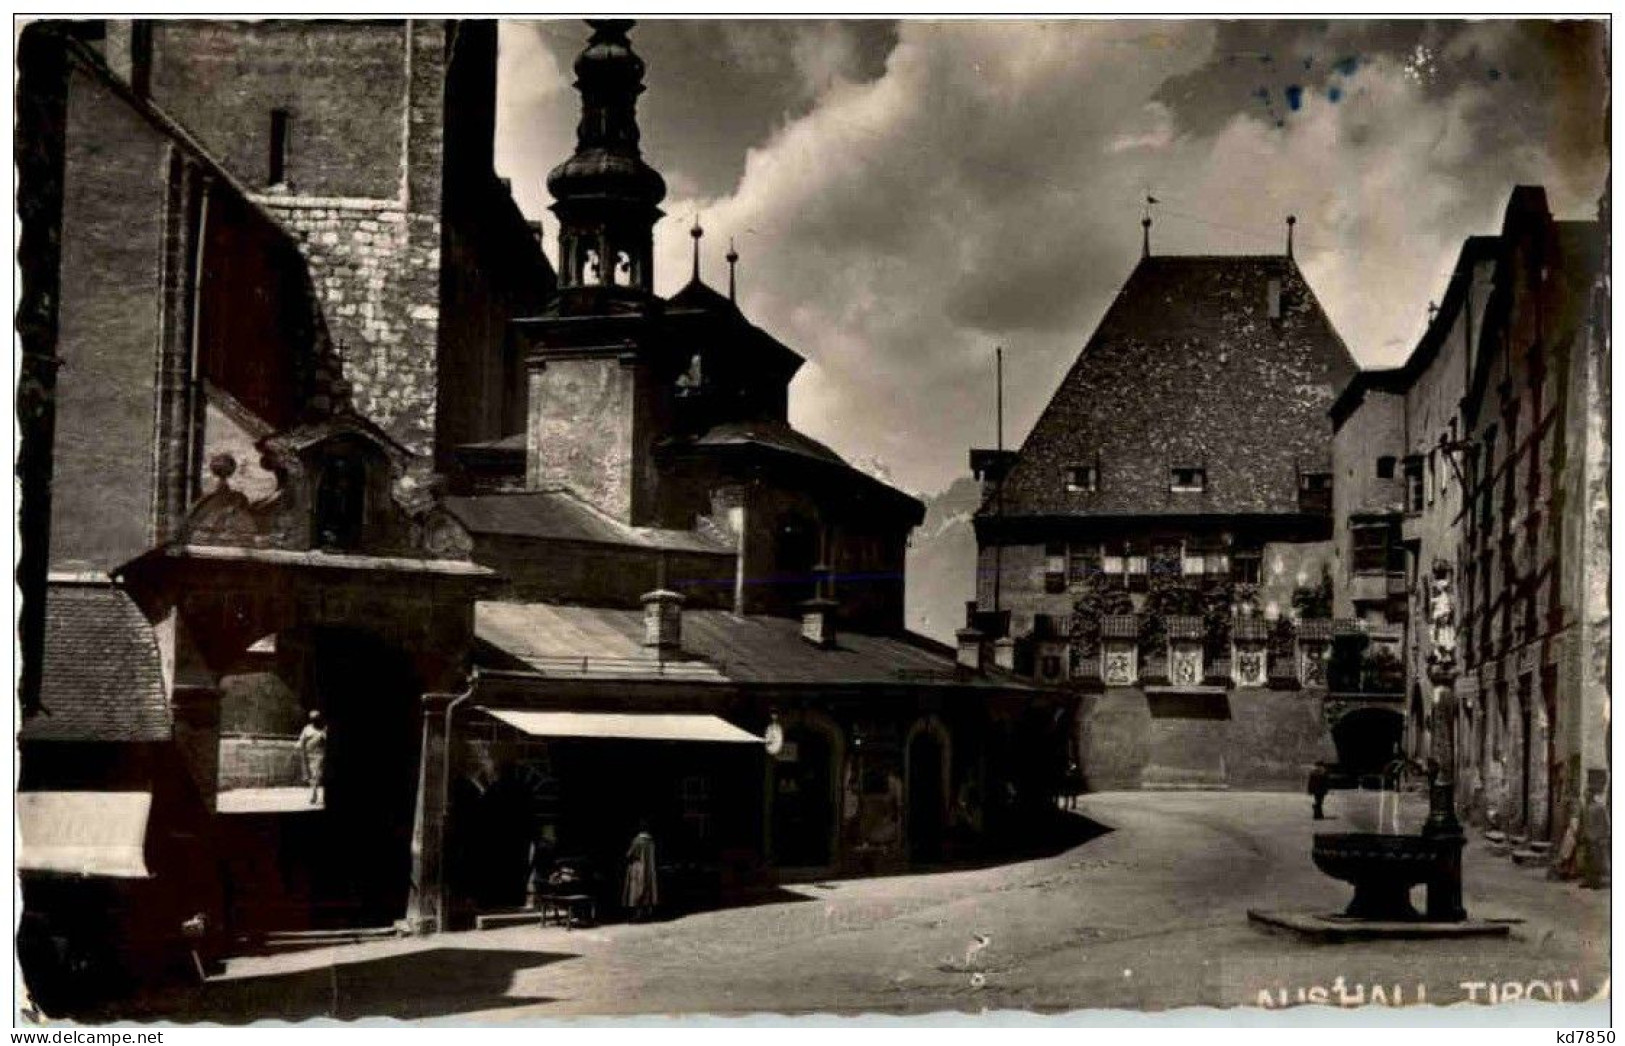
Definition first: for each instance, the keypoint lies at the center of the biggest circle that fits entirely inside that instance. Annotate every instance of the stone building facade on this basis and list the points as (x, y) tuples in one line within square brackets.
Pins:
[(1398, 501), (1180, 473), (371, 142), (671, 414), (219, 516), (1494, 423), (675, 550)]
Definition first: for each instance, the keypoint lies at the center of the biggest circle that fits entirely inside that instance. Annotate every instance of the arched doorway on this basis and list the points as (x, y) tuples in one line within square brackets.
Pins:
[(804, 790), (1368, 739), (927, 793)]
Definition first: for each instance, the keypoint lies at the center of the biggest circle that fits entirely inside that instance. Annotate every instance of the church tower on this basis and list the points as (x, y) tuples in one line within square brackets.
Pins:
[(599, 372), (607, 196)]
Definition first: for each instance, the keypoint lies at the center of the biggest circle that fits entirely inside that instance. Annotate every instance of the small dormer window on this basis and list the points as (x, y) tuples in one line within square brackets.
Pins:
[(1187, 480), (1083, 479), (341, 503)]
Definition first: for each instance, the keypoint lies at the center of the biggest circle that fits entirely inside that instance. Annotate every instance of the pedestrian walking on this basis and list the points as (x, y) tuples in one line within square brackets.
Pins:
[(642, 892), (313, 752)]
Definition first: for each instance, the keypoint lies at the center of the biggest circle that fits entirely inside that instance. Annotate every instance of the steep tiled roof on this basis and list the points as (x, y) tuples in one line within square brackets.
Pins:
[(1188, 369), (102, 677), (719, 646), (561, 516)]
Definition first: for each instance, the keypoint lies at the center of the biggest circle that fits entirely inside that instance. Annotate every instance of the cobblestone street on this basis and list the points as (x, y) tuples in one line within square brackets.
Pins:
[(1150, 914)]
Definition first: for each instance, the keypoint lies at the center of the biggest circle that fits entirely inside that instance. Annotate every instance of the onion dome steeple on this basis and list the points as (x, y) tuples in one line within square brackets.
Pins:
[(607, 196)]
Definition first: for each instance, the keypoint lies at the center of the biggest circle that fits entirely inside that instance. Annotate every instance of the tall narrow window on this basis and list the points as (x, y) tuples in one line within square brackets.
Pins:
[(278, 172)]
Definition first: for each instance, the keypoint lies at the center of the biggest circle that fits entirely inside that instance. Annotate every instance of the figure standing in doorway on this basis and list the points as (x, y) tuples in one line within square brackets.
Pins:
[(313, 750), (642, 892)]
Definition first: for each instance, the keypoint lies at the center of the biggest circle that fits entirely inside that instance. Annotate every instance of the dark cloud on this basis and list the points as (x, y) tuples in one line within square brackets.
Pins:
[(715, 87), (908, 197)]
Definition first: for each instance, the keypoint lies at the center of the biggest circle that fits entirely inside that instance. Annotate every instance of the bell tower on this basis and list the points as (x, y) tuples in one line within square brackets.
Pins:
[(607, 197)]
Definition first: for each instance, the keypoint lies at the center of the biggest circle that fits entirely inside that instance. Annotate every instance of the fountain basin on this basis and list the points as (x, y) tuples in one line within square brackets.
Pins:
[(1382, 868)]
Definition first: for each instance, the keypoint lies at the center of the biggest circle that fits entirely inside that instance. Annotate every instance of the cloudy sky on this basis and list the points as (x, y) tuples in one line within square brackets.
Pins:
[(906, 196)]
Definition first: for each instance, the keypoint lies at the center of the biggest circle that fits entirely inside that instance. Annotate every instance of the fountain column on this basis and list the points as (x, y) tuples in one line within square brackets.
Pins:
[(1444, 889)]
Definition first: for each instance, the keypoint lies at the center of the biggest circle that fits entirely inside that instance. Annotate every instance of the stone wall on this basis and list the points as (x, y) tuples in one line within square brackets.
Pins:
[(343, 84), (1256, 740), (113, 212), (581, 431), (376, 269), (260, 762)]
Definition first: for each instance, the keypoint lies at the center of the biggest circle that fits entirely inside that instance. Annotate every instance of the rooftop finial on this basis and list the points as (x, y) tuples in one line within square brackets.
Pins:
[(1291, 220), (1145, 226), (733, 260), (696, 233)]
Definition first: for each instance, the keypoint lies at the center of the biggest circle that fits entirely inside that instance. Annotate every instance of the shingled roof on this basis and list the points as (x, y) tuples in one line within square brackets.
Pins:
[(102, 677), (1189, 369)]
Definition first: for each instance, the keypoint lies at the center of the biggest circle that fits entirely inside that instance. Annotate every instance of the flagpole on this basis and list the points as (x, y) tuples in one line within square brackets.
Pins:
[(998, 490)]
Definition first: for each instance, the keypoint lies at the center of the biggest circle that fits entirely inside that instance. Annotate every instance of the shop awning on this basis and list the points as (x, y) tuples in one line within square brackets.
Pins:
[(84, 833), (626, 726)]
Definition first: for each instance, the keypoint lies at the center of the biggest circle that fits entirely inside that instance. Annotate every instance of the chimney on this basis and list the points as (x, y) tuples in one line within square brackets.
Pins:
[(663, 620), (1004, 653), (818, 614), (969, 648)]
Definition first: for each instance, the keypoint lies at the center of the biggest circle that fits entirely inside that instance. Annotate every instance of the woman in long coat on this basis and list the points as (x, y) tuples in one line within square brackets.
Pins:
[(642, 892)]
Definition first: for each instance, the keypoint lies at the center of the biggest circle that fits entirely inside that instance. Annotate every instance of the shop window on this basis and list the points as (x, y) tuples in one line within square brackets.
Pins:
[(1187, 480), (1083, 479)]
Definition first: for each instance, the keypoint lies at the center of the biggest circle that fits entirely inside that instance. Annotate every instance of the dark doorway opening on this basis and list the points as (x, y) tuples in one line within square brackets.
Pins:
[(371, 698), (1368, 739), (803, 808)]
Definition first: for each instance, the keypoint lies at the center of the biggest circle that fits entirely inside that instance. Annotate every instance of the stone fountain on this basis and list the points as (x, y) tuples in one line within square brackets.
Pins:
[(1383, 867)]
